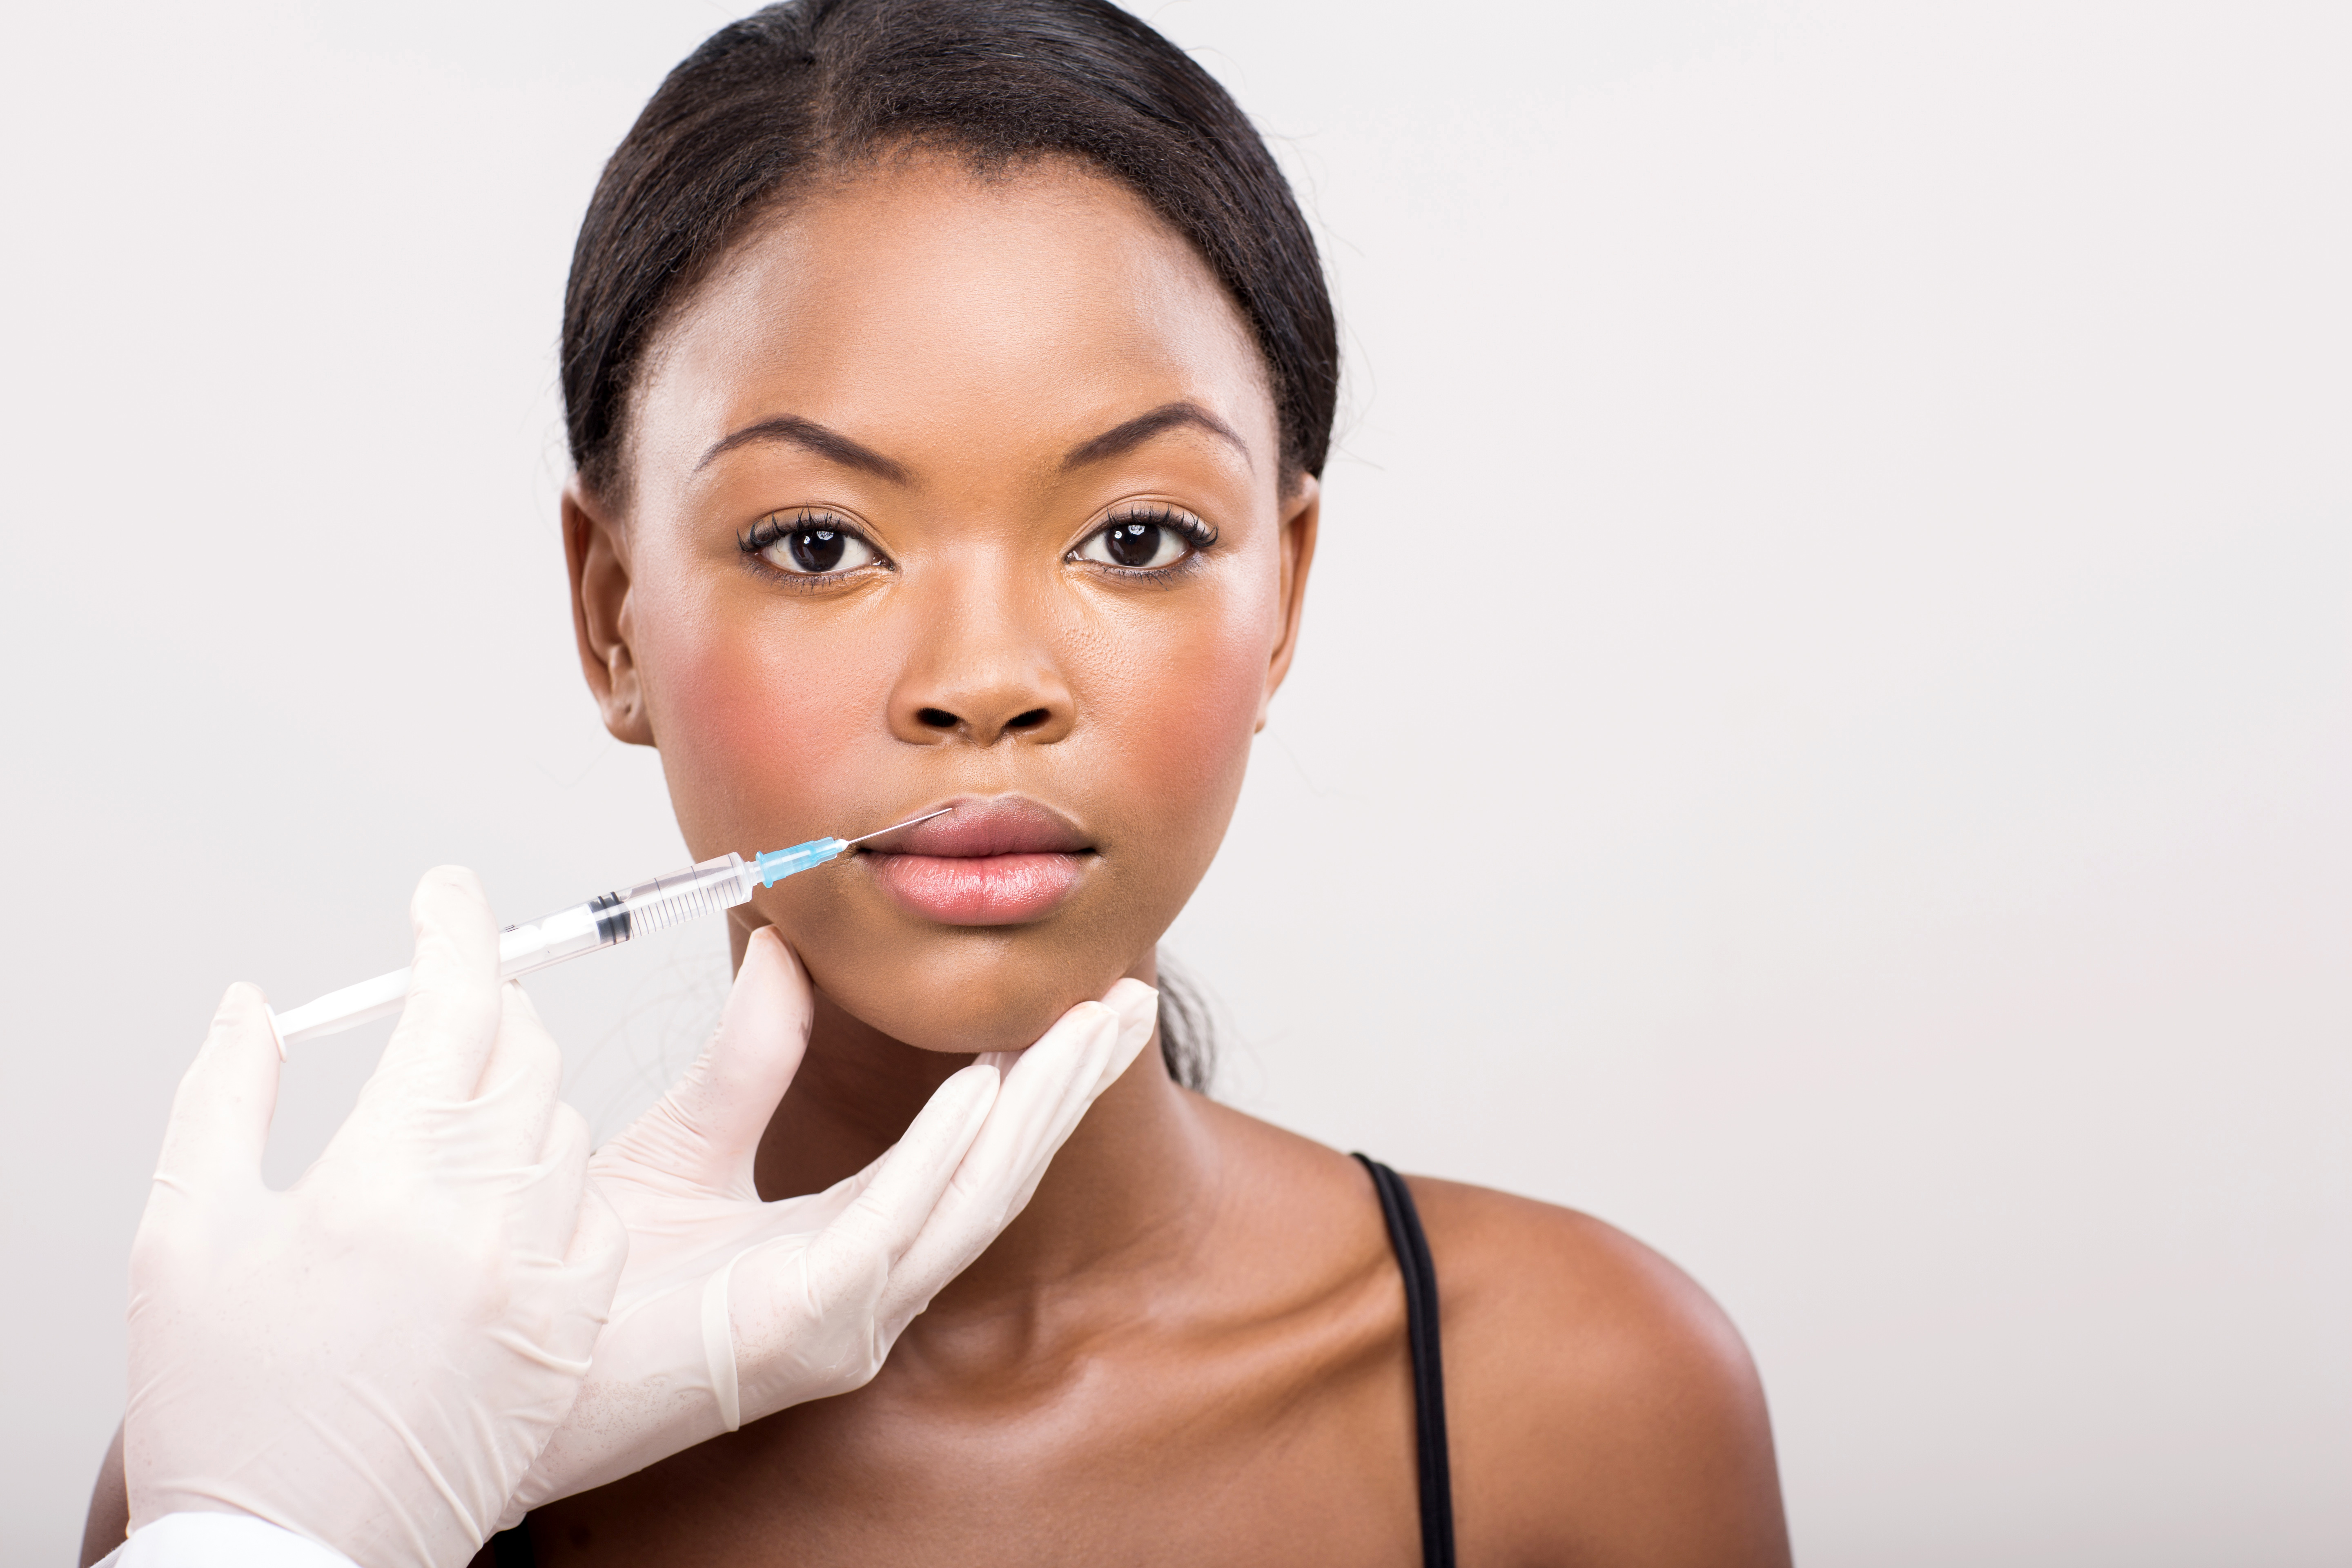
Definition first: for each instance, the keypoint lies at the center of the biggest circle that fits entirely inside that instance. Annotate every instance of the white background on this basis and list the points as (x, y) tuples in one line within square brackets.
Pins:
[(1834, 585)]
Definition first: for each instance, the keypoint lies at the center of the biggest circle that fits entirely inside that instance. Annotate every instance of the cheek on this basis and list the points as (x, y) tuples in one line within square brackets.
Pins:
[(758, 731), (1182, 701)]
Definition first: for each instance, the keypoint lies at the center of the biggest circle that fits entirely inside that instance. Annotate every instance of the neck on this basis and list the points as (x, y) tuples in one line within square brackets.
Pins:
[(1126, 1192)]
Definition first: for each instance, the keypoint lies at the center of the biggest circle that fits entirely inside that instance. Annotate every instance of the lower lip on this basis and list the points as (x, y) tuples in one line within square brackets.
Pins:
[(980, 890)]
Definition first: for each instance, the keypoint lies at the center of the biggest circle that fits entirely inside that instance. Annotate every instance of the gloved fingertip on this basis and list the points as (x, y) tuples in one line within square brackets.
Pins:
[(461, 881), (982, 1081), (1138, 1006), (773, 955), (1078, 1035), (449, 906), (240, 998), (770, 972), (450, 1024), (242, 1006), (1130, 994), (769, 1009), (1139, 1019), (221, 1112)]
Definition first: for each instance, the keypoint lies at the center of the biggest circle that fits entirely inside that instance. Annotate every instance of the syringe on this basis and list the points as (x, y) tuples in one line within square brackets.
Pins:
[(607, 920)]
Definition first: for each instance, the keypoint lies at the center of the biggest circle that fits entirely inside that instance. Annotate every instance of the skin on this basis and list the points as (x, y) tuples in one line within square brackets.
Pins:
[(1190, 1347)]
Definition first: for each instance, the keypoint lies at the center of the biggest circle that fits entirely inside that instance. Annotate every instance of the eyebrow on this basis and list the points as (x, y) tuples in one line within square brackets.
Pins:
[(835, 446), (810, 435), (1120, 439)]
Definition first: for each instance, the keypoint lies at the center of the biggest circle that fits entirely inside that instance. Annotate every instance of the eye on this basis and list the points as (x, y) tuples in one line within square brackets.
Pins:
[(1145, 541), (809, 546)]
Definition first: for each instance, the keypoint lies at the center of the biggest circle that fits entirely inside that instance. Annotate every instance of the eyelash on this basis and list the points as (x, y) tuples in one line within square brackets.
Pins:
[(1182, 524), (771, 529), (777, 526)]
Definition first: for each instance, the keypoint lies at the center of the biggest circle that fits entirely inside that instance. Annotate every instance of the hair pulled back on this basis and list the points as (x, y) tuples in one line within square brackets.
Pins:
[(810, 85)]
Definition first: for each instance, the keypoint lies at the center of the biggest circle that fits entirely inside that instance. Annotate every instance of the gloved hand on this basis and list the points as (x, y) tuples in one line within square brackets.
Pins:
[(732, 1309), (374, 1357)]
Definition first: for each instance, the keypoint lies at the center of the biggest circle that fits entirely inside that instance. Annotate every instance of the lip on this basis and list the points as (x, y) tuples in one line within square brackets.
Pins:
[(1002, 860)]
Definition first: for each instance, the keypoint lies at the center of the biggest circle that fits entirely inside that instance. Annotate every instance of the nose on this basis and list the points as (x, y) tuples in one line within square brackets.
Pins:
[(982, 674)]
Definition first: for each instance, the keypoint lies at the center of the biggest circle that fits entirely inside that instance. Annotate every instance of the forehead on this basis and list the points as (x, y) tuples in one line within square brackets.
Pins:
[(919, 305)]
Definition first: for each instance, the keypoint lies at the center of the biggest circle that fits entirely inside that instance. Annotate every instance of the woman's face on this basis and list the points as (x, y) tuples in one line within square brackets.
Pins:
[(948, 490)]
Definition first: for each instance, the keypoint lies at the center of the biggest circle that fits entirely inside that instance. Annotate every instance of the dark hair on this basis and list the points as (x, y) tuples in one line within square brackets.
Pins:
[(812, 85), (1188, 1031)]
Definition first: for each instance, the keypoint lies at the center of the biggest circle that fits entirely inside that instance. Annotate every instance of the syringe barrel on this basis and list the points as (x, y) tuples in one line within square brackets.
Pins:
[(605, 920), (703, 888)]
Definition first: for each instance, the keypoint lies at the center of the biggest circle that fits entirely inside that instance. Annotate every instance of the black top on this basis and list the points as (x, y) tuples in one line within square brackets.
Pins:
[(511, 1548), (1428, 1372)]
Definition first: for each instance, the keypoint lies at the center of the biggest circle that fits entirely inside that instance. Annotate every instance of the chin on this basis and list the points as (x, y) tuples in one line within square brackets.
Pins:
[(990, 997)]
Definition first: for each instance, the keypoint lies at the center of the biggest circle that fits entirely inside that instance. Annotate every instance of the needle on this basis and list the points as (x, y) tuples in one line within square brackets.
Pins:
[(908, 823)]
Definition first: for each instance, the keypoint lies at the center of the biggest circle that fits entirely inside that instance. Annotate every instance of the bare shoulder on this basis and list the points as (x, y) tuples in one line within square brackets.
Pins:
[(1602, 1409)]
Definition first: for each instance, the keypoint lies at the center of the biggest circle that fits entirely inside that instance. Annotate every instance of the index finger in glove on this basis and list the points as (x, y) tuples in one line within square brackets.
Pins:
[(794, 1324), (908, 1182), (221, 1112), (1047, 1090), (451, 1019), (1049, 1086)]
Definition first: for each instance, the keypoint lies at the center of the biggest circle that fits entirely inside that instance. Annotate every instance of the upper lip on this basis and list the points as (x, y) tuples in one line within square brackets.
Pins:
[(995, 824)]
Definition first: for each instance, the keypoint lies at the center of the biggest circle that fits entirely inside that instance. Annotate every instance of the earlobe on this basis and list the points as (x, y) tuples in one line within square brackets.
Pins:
[(1302, 510), (594, 552)]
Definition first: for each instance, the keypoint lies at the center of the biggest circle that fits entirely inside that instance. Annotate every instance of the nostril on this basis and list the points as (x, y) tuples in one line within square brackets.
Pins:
[(1029, 720), (936, 718)]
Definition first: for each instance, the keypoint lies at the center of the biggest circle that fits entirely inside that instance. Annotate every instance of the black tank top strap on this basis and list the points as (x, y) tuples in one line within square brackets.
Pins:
[(1428, 1374)]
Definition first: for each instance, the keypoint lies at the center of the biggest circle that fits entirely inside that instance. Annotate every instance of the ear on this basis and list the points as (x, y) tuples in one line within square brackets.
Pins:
[(1301, 509), (596, 552)]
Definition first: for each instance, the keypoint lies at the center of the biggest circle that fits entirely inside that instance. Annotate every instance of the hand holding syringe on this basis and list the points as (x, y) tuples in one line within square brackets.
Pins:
[(396, 1350), (606, 920)]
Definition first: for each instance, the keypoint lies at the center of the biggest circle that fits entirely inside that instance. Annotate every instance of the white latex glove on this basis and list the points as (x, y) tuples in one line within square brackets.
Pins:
[(374, 1357), (732, 1309)]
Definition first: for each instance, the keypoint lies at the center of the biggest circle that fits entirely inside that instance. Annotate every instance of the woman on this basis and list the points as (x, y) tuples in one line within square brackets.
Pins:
[(948, 384)]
